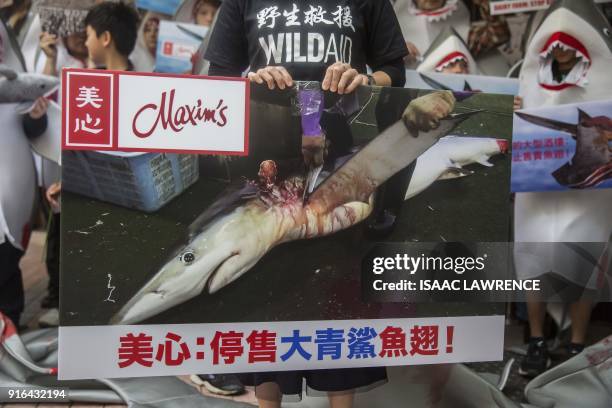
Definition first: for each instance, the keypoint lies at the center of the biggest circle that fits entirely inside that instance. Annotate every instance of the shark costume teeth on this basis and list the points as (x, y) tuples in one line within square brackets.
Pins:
[(421, 27), (438, 14), (447, 49), (571, 25), (577, 76)]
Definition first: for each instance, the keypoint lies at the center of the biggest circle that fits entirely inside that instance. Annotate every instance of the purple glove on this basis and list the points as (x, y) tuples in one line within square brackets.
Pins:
[(311, 107)]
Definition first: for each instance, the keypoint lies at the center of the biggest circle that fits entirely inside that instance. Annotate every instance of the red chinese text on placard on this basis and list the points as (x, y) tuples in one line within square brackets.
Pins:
[(88, 115)]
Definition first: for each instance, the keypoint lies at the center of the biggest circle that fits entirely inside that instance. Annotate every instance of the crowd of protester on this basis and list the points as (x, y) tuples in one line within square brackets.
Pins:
[(388, 37)]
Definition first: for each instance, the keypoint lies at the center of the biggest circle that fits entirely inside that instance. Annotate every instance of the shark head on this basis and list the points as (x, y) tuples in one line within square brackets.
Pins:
[(213, 256), (446, 51), (575, 31), (23, 87)]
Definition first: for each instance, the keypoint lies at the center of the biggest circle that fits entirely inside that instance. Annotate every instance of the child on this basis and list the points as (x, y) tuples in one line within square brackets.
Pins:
[(204, 11), (111, 35), (67, 52)]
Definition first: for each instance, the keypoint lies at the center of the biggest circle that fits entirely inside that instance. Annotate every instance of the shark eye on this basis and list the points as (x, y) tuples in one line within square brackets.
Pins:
[(187, 257), (606, 32)]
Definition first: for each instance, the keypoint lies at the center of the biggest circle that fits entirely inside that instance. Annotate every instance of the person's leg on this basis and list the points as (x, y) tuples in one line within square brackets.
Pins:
[(536, 313), (580, 313), (268, 395), (268, 404), (53, 255), (343, 399), (11, 284)]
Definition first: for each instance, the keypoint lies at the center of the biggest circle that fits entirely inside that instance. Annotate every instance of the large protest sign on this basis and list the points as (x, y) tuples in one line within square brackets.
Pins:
[(562, 147), (241, 270)]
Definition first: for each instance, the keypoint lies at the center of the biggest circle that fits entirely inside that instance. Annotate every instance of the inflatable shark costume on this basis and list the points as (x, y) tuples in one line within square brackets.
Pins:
[(447, 48), (566, 216), (422, 27), (17, 194)]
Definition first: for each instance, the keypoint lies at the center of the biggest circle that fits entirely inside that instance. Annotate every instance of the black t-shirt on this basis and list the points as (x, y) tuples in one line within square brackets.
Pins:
[(305, 36)]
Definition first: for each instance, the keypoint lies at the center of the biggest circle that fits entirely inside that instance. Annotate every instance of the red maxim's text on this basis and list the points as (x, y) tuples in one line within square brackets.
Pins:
[(176, 119)]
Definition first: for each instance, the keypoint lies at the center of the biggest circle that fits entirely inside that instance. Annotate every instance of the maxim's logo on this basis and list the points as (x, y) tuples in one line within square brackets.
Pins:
[(169, 116)]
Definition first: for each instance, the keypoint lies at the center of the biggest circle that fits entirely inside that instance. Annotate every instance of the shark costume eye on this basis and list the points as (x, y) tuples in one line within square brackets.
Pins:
[(606, 32), (187, 257)]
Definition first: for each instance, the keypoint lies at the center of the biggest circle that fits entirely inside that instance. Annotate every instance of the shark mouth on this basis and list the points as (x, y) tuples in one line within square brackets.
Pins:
[(577, 76), (597, 177), (450, 59), (439, 14)]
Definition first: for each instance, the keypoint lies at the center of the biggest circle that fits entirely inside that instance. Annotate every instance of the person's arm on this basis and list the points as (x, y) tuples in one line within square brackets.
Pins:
[(219, 70), (228, 46), (390, 74), (48, 45), (386, 47), (35, 122)]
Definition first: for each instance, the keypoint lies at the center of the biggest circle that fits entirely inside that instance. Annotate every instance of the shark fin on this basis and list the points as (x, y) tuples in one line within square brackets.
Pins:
[(7, 72), (454, 172)]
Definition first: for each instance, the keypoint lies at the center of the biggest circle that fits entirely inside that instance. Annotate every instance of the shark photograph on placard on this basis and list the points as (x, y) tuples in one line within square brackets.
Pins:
[(228, 244), (563, 147)]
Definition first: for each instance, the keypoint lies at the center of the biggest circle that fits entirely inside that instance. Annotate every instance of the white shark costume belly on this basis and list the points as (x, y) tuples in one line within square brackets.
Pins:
[(566, 216), (448, 48), (17, 172), (422, 27)]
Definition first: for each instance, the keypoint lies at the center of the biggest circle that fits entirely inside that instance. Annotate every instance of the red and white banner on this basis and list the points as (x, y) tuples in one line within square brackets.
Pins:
[(180, 349), (519, 6), (127, 111)]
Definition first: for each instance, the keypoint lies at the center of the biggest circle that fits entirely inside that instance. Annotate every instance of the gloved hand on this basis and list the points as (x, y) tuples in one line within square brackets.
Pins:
[(425, 113)]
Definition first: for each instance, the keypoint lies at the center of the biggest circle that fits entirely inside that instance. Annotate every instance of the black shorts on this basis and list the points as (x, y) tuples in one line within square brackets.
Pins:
[(289, 384)]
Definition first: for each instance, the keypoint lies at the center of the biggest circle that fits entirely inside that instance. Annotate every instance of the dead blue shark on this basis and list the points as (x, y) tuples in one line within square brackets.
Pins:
[(243, 225)]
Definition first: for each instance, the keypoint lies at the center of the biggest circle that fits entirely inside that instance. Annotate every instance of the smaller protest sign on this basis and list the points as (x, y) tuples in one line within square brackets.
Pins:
[(177, 44), (168, 7), (562, 147)]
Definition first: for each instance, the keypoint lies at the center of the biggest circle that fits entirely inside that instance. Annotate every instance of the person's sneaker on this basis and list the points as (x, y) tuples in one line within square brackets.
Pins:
[(223, 384), (49, 319), (573, 349), (537, 359)]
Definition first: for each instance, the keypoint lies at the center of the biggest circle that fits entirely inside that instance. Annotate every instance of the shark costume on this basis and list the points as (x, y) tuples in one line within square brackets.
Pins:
[(566, 216), (448, 48), (184, 13), (141, 57), (421, 27)]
